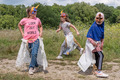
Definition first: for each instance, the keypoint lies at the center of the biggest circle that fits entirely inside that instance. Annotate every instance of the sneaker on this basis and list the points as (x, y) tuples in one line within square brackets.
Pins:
[(81, 50), (31, 71), (101, 74), (95, 72), (59, 57), (35, 69)]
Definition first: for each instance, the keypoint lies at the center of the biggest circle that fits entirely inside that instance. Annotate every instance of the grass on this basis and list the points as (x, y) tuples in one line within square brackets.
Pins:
[(107, 67), (10, 76), (116, 61), (81, 76), (112, 42), (59, 63), (10, 41), (63, 63)]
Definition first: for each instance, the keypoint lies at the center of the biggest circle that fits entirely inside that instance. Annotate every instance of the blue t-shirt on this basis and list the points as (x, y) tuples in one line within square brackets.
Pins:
[(96, 32)]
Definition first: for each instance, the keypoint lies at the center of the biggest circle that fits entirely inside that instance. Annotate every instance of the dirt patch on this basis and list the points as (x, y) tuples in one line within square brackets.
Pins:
[(62, 70)]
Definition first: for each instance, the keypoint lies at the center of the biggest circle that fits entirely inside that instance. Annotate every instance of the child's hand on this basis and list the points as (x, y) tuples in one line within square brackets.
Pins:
[(40, 34), (22, 35), (102, 42), (78, 33), (98, 48), (94, 44), (101, 46), (57, 30)]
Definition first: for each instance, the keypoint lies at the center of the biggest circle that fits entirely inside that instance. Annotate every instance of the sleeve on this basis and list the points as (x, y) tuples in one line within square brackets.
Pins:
[(68, 24), (22, 22), (103, 36), (91, 41), (90, 33)]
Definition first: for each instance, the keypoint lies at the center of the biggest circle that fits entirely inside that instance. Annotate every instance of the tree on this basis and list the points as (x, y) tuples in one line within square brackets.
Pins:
[(79, 13), (47, 15), (118, 7), (107, 10), (115, 16), (82, 12), (118, 19), (7, 22)]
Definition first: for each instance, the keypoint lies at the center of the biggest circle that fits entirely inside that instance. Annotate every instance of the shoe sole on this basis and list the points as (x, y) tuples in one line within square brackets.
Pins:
[(59, 58), (31, 73), (102, 76)]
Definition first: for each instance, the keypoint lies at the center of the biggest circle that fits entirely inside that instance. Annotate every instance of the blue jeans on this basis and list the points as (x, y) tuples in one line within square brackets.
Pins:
[(33, 53)]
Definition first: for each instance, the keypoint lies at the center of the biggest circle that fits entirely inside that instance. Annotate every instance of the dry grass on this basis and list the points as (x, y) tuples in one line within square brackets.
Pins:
[(10, 76), (10, 41)]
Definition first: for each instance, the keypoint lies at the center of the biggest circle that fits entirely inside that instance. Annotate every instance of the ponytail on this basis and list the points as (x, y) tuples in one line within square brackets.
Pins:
[(67, 19), (28, 11)]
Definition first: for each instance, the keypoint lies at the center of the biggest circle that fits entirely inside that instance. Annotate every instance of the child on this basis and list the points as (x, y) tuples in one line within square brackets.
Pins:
[(31, 41), (69, 42), (94, 46)]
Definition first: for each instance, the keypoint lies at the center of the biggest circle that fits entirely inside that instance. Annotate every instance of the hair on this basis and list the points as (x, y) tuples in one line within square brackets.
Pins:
[(28, 11), (67, 18)]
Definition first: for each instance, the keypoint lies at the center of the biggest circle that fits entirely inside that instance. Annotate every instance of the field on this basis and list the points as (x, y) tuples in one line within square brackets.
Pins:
[(65, 69)]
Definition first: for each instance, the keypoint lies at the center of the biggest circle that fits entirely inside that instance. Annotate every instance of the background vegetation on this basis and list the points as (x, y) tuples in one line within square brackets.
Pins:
[(79, 13), (10, 41)]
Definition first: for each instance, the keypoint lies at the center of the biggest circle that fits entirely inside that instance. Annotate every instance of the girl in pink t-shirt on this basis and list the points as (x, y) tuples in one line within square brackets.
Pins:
[(31, 34)]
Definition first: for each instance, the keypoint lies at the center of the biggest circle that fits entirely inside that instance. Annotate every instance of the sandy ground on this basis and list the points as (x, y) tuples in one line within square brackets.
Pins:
[(62, 70)]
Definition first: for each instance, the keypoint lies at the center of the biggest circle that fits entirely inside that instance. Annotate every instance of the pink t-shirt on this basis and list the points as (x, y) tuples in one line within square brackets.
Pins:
[(31, 32)]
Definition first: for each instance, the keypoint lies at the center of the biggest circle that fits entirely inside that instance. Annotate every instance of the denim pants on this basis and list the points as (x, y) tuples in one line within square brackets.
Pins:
[(33, 53)]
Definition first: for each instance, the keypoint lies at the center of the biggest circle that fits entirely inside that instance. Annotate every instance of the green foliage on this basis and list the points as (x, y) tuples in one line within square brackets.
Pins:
[(83, 12), (118, 19), (115, 16), (7, 22), (10, 43), (79, 13), (107, 10), (112, 42), (118, 7)]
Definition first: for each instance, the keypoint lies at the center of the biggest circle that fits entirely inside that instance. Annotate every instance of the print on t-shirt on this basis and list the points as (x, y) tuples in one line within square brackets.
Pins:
[(31, 28)]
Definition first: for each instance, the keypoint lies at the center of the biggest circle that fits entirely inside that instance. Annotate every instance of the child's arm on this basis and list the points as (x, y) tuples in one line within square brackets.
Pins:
[(41, 29), (20, 28), (92, 42), (102, 42), (59, 29), (74, 28)]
